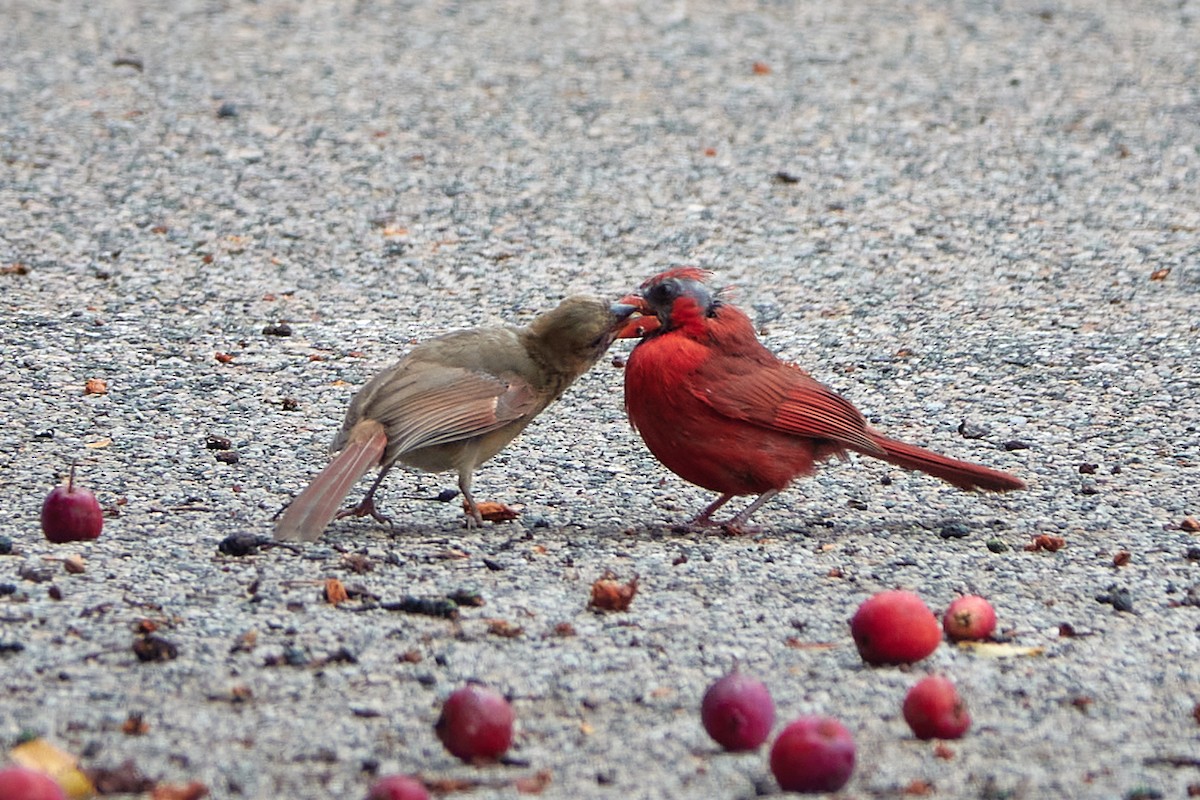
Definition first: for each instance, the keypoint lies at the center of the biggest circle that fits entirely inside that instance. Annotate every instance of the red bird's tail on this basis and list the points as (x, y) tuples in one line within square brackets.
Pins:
[(962, 474), (314, 508)]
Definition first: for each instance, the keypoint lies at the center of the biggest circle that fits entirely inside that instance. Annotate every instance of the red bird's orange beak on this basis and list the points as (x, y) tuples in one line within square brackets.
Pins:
[(641, 322)]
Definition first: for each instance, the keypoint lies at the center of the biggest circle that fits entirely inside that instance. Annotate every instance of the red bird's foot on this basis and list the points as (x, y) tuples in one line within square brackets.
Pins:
[(734, 528), (696, 524), (704, 518), (366, 509)]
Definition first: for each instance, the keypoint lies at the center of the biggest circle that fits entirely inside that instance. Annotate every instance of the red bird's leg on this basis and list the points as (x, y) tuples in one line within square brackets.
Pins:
[(366, 506), (735, 523), (704, 518)]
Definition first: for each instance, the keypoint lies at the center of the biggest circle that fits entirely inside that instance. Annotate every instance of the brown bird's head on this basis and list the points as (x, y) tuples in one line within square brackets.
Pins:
[(667, 300), (572, 337)]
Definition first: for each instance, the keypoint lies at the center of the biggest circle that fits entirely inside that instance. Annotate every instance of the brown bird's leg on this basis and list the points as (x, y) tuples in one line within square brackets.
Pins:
[(366, 506), (474, 518), (734, 527)]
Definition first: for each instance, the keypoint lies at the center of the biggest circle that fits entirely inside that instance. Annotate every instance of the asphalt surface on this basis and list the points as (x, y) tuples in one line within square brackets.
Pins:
[(950, 212)]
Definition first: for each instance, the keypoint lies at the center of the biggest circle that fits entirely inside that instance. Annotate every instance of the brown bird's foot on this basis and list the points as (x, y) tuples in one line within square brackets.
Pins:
[(473, 518), (367, 509)]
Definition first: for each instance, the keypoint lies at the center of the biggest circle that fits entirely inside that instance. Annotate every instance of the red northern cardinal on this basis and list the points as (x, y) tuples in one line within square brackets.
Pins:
[(452, 403), (723, 412)]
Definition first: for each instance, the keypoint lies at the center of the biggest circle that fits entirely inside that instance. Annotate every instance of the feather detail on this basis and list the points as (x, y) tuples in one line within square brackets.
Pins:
[(964, 475), (316, 506)]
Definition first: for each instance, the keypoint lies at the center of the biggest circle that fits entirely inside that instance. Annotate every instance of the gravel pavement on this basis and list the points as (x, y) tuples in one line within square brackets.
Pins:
[(952, 212)]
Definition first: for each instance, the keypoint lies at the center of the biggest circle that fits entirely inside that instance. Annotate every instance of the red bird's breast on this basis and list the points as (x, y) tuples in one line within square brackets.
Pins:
[(670, 379)]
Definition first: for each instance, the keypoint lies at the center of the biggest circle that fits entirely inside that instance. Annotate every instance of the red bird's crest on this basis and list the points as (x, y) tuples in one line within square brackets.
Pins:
[(687, 273)]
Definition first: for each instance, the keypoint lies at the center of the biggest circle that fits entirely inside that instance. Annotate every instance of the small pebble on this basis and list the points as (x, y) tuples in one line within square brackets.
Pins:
[(295, 657), (154, 648), (35, 573), (1119, 599), (972, 430), (955, 530)]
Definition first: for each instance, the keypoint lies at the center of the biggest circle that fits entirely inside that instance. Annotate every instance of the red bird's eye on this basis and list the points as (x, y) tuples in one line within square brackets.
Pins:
[(662, 294)]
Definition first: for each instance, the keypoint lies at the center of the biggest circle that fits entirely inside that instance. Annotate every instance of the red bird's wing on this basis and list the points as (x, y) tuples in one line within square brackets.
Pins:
[(782, 397)]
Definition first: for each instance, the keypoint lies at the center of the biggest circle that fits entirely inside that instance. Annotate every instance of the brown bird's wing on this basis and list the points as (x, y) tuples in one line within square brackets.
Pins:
[(783, 397), (423, 404)]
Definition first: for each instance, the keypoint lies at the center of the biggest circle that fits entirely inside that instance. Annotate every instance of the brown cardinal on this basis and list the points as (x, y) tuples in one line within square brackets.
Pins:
[(452, 403), (721, 411)]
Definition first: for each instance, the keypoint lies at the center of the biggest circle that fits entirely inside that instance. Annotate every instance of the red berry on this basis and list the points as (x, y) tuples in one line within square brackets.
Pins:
[(813, 754), (969, 617), (18, 783), (895, 628), (397, 787), (737, 712), (475, 723), (934, 710), (71, 514)]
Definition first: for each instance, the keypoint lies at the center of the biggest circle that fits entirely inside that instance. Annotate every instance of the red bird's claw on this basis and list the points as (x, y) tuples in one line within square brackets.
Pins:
[(696, 526)]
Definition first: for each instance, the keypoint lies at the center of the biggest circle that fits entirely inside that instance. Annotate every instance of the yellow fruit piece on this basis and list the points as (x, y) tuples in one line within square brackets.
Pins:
[(40, 755)]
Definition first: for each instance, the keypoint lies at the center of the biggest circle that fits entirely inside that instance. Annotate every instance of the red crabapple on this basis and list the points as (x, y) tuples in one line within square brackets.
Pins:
[(970, 617), (934, 710), (397, 787), (71, 514), (737, 711), (19, 783), (475, 723), (813, 754), (895, 627)]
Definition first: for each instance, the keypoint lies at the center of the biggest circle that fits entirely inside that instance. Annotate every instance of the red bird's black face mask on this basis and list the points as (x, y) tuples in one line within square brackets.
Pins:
[(679, 302)]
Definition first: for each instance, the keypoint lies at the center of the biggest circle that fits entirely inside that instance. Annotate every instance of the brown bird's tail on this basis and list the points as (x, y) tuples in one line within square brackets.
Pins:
[(962, 474), (314, 508)]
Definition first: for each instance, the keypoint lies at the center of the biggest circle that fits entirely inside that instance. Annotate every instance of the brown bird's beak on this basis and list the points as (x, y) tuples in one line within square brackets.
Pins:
[(622, 309), (641, 319)]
